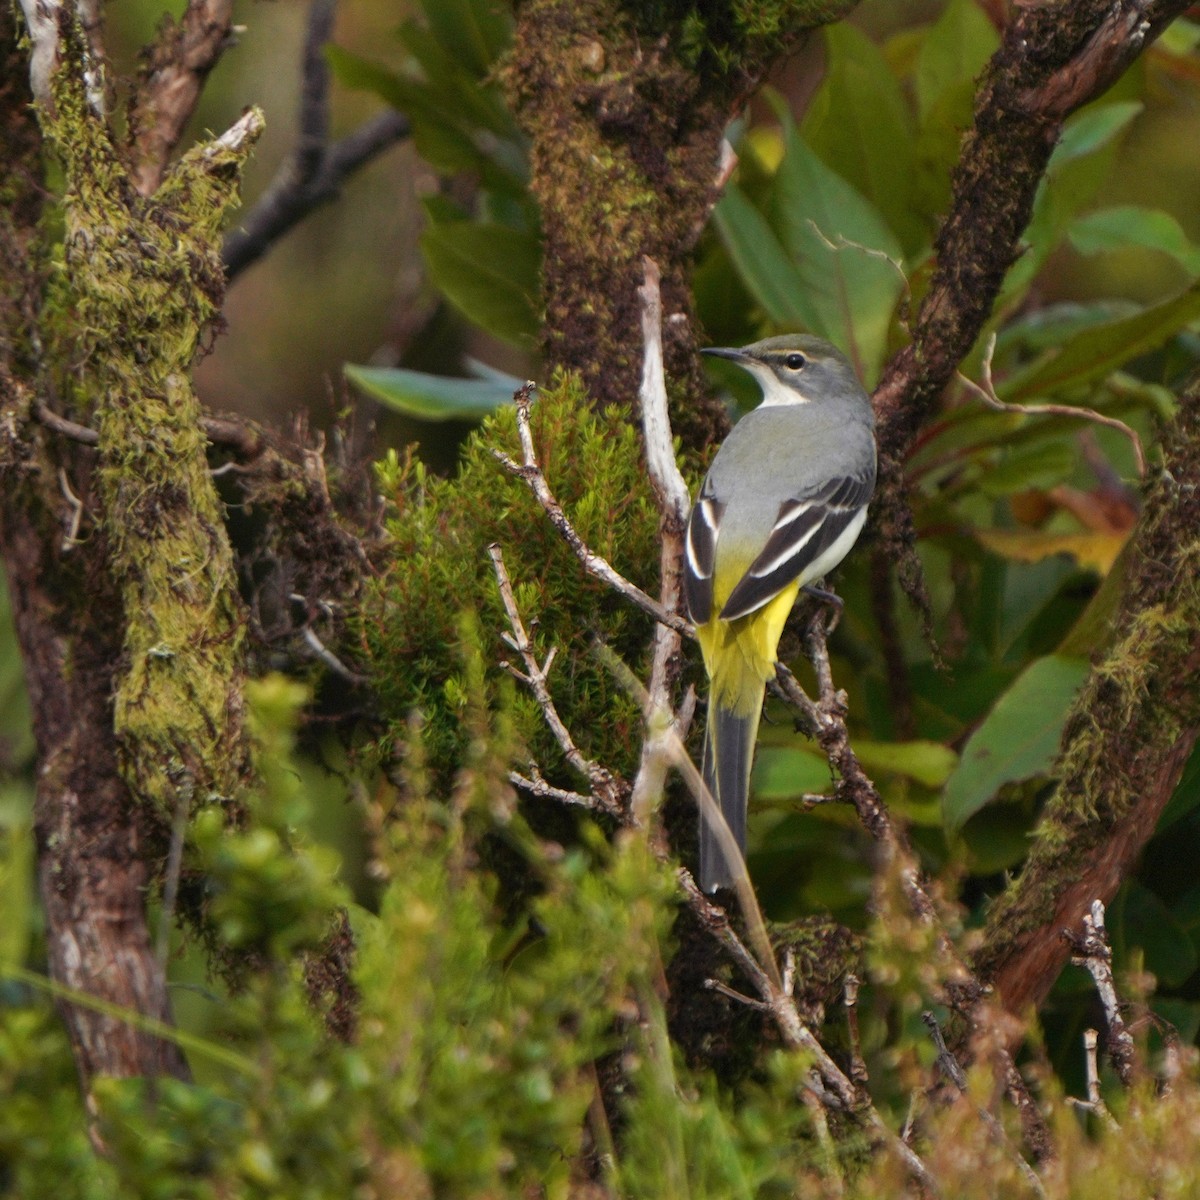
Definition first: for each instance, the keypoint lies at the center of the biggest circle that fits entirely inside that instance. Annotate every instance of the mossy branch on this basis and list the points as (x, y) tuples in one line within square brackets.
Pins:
[(1126, 741), (143, 282)]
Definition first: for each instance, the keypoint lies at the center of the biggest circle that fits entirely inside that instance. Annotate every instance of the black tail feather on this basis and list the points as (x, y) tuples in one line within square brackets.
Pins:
[(728, 755)]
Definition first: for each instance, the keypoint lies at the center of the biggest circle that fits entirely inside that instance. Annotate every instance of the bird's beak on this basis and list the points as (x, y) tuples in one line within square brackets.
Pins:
[(733, 353)]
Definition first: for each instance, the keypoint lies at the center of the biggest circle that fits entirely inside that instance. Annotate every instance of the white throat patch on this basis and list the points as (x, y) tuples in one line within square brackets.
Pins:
[(775, 392)]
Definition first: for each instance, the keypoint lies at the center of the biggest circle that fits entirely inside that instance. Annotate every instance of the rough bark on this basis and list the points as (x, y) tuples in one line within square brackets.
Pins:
[(1052, 61), (92, 876), (143, 281), (1129, 735), (626, 125)]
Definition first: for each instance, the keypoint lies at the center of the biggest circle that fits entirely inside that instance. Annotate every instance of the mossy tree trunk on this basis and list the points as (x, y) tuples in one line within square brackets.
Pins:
[(626, 108), (1128, 737), (129, 626)]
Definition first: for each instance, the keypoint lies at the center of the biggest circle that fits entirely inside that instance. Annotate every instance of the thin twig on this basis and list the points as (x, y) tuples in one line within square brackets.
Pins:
[(987, 393), (179, 823), (607, 790), (313, 173), (954, 1072), (826, 721), (1094, 1103), (672, 746), (71, 536), (858, 1067), (535, 785), (594, 564), (1091, 951), (324, 655), (69, 429), (673, 499)]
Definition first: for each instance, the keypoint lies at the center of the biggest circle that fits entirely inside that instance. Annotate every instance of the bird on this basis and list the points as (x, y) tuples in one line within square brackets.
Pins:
[(782, 504)]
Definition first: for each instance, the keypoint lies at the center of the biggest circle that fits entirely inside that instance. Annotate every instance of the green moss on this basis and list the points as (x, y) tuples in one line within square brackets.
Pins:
[(441, 529), (142, 283)]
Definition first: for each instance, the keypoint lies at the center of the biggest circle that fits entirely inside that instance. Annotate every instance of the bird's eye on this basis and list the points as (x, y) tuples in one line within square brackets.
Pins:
[(794, 362)]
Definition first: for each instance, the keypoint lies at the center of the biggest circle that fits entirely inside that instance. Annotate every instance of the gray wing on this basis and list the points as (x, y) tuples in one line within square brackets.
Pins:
[(806, 528)]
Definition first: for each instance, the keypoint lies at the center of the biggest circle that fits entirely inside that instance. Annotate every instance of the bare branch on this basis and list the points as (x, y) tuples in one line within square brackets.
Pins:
[(858, 1068), (954, 1072), (177, 64), (673, 500), (313, 173), (987, 393), (1108, 800), (1053, 60), (782, 1008), (537, 786), (41, 22), (1091, 1072), (595, 565), (1091, 951), (608, 791)]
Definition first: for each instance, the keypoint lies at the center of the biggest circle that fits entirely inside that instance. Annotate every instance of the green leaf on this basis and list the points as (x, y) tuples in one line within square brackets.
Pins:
[(1041, 465), (489, 273), (1092, 129), (1018, 739), (455, 84), (1186, 797), (956, 50), (1097, 351), (432, 397), (763, 263), (1127, 226), (927, 763), (1138, 918), (1077, 169), (848, 258), (859, 125), (472, 32), (997, 838), (442, 129), (786, 773)]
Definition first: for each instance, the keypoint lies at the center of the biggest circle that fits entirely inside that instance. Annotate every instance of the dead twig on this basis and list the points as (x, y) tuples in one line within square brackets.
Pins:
[(1091, 951), (836, 1089), (535, 785), (176, 67), (858, 1068), (825, 720), (594, 564), (673, 501), (986, 391), (954, 1072), (607, 791), (1094, 1103)]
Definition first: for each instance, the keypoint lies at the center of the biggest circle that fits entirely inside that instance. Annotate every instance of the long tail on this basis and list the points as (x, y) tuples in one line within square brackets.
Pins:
[(728, 755)]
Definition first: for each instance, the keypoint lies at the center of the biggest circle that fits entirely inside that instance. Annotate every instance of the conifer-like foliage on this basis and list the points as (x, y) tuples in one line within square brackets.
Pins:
[(438, 568), (496, 985)]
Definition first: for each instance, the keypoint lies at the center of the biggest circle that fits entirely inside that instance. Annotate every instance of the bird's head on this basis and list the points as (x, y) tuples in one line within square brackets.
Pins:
[(795, 368)]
